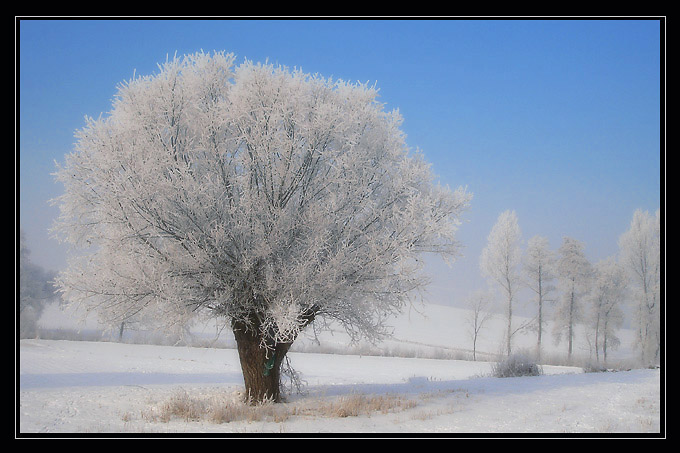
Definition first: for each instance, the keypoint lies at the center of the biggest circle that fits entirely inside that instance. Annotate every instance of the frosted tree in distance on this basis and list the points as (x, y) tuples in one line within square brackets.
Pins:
[(500, 262), (640, 248), (266, 197), (573, 273), (607, 295), (479, 304), (539, 272), (35, 290)]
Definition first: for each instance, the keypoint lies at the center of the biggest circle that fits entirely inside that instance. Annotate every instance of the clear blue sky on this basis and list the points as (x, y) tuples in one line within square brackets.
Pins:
[(556, 119)]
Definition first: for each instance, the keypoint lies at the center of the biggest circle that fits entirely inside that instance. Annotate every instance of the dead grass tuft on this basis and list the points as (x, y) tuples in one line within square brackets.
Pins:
[(225, 409), (358, 404)]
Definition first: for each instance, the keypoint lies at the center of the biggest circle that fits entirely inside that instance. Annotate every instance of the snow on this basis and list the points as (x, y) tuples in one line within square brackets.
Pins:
[(104, 387), (101, 387)]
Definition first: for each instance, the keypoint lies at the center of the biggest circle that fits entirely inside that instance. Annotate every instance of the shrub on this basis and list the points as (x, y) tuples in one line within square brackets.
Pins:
[(593, 367), (519, 364)]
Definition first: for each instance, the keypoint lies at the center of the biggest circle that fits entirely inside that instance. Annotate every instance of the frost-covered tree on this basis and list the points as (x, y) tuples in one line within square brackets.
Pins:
[(539, 273), (607, 295), (574, 273), (266, 197), (35, 290), (500, 262), (479, 304), (640, 254)]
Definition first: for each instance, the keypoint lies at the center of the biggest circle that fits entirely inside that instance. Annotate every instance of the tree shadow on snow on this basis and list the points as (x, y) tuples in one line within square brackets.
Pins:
[(56, 380), (485, 385)]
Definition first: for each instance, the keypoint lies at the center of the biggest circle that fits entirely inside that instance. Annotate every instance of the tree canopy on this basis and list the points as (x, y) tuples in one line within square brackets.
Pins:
[(266, 196)]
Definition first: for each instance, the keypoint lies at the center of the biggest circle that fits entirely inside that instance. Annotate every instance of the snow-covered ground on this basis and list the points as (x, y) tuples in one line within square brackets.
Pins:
[(99, 387), (92, 387)]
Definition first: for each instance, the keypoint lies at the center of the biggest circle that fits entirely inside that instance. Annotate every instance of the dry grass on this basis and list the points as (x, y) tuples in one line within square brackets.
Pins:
[(356, 405), (219, 408), (181, 405)]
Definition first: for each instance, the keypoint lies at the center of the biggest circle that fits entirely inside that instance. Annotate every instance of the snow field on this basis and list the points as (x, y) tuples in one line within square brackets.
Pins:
[(97, 387)]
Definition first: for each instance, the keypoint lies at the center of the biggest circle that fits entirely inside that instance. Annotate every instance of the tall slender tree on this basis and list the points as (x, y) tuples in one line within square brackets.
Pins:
[(574, 272), (607, 295), (539, 272), (640, 254), (500, 262)]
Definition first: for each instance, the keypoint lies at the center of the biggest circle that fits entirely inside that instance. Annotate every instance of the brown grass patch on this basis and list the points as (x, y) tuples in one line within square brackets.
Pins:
[(219, 408), (358, 404)]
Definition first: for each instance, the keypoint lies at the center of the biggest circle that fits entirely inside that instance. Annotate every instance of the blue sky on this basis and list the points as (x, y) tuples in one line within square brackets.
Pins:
[(556, 119)]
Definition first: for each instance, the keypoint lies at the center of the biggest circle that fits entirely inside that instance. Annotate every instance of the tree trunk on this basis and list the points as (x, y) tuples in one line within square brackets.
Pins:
[(571, 322), (540, 313), (597, 335), (509, 317), (261, 365), (474, 347), (604, 344)]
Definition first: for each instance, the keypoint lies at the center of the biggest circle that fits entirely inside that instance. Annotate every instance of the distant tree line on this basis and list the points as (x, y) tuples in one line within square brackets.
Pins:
[(579, 292)]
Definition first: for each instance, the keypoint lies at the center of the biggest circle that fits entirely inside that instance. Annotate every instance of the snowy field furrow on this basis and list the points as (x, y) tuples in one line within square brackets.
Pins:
[(98, 387)]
